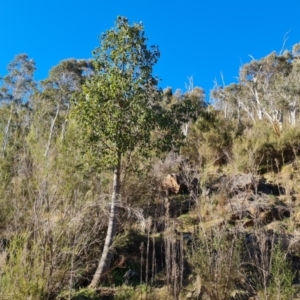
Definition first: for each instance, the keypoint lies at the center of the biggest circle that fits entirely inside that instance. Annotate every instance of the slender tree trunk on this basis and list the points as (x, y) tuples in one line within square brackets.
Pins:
[(185, 128), (51, 131), (105, 261), (293, 117), (6, 132)]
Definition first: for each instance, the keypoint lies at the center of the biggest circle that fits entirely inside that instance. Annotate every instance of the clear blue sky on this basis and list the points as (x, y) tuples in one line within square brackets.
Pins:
[(196, 38)]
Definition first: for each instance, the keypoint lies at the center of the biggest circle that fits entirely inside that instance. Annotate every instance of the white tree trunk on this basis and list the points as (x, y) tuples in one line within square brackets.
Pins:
[(51, 131), (280, 119), (260, 114), (6, 133), (185, 128), (293, 117), (293, 110), (105, 261)]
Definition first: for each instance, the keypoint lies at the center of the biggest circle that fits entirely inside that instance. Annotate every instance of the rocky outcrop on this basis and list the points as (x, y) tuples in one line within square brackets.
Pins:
[(236, 184), (250, 199), (170, 184), (177, 184)]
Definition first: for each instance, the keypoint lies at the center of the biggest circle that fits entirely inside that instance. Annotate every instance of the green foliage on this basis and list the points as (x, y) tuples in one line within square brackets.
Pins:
[(281, 282), (126, 293), (210, 139), (267, 90), (18, 84), (255, 150), (260, 149), (216, 258), (23, 273), (194, 97), (82, 294), (119, 106), (115, 106)]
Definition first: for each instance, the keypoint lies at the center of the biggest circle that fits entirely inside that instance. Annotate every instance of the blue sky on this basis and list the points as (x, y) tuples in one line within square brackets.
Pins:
[(196, 38)]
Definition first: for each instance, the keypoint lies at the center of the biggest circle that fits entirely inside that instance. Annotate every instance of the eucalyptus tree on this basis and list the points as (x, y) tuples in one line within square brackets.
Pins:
[(288, 87), (52, 104), (119, 108), (261, 78), (15, 91), (195, 97), (182, 103), (231, 100), (257, 89)]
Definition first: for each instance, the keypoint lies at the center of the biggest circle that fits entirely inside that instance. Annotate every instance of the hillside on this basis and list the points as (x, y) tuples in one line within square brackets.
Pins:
[(112, 188)]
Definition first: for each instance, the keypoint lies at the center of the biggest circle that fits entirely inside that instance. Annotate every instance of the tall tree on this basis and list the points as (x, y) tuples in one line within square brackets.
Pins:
[(53, 102), (261, 91), (261, 77), (288, 86), (15, 91), (118, 107)]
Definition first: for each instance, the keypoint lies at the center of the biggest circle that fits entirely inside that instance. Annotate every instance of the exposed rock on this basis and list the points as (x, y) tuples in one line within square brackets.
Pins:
[(177, 184), (232, 185), (263, 213), (130, 276), (170, 184), (235, 184), (250, 199)]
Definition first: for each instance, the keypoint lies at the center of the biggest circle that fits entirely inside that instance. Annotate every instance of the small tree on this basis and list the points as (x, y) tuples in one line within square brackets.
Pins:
[(119, 108)]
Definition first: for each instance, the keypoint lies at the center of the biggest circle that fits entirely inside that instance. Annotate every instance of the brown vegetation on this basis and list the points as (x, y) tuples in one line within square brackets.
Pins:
[(216, 218)]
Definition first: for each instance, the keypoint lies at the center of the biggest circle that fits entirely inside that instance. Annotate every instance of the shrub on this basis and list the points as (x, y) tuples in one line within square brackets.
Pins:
[(210, 140), (23, 273), (216, 259)]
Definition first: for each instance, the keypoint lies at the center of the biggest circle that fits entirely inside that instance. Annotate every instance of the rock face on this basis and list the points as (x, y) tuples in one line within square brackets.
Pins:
[(130, 276), (173, 184), (176, 184), (251, 199), (170, 184)]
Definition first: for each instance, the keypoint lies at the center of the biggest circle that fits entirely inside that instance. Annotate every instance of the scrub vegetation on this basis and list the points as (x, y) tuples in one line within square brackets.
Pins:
[(113, 188)]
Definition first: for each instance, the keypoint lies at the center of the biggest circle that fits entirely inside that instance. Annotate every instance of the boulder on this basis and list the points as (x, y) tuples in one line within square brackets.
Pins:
[(170, 184), (236, 184), (177, 184), (130, 276)]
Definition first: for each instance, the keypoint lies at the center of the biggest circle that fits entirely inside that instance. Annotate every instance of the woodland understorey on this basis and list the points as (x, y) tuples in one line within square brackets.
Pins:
[(112, 188)]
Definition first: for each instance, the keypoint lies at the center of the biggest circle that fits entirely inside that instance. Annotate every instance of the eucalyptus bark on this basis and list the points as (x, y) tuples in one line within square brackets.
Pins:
[(51, 130), (6, 133), (105, 261)]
